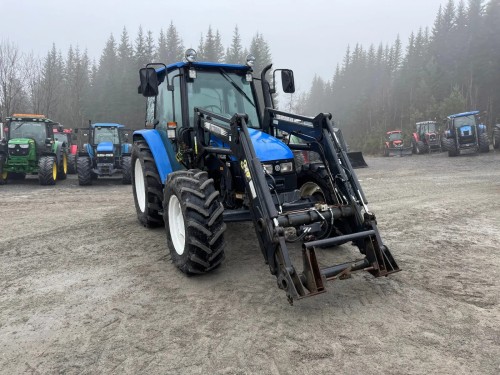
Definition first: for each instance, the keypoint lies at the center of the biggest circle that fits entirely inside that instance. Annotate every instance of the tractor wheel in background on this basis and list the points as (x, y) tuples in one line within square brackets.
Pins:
[(313, 181), (452, 147), (47, 170), (496, 137), (146, 186), (421, 147), (3, 174), (84, 170), (484, 142), (193, 220), (62, 171), (17, 176), (72, 163), (126, 170)]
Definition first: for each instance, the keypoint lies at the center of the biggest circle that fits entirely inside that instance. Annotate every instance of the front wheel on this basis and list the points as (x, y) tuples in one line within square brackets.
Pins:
[(62, 171), (496, 137), (84, 168), (47, 170), (126, 170), (484, 143), (146, 186), (193, 220), (3, 173)]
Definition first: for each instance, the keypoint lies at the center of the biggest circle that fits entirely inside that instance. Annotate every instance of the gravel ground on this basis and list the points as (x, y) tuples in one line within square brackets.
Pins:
[(85, 289)]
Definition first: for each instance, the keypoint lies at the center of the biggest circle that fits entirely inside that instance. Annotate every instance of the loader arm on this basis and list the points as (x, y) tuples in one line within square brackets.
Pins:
[(270, 224)]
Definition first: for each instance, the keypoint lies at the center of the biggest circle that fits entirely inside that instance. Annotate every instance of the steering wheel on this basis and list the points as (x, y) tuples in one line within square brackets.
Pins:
[(215, 107)]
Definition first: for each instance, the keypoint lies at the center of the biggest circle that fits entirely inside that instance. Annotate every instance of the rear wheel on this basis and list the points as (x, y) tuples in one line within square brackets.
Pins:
[(84, 169), (72, 163), (126, 170), (47, 170), (496, 137), (146, 186), (62, 171), (484, 142), (193, 220), (421, 147)]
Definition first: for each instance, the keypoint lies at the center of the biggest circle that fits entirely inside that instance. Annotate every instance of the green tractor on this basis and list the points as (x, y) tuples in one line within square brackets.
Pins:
[(29, 147)]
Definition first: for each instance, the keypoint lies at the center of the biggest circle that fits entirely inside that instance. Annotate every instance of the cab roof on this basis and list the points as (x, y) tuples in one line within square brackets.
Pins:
[(106, 125), (464, 114), (426, 122), (199, 65)]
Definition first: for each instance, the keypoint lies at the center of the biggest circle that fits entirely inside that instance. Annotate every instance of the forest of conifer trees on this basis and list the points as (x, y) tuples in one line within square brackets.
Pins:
[(452, 67)]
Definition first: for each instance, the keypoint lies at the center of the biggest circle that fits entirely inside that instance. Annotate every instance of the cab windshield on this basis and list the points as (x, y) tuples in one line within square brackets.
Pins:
[(61, 137), (395, 137), (106, 134), (465, 120), (33, 130), (222, 93)]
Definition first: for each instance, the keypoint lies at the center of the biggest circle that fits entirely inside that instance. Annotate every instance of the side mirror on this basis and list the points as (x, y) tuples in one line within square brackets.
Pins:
[(287, 81), (149, 82), (60, 128), (48, 141)]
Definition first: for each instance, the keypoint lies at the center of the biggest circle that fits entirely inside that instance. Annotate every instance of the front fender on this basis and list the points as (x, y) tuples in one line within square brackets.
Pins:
[(164, 158)]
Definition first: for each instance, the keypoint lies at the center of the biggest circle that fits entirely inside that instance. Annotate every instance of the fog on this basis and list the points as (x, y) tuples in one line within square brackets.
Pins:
[(310, 37)]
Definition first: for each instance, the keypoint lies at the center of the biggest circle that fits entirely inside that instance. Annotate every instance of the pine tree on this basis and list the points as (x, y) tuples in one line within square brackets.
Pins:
[(173, 46), (234, 54)]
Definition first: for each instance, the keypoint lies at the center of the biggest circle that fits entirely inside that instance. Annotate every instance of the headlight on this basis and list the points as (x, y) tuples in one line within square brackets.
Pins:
[(250, 60), (190, 55), (286, 167), (24, 146), (268, 168), (12, 146)]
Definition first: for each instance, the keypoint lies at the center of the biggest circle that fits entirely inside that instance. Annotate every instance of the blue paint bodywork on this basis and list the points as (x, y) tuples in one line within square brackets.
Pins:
[(463, 114), (106, 124), (164, 158), (105, 147)]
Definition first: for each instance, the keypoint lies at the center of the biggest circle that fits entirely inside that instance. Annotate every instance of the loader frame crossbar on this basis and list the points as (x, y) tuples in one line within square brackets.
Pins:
[(270, 224)]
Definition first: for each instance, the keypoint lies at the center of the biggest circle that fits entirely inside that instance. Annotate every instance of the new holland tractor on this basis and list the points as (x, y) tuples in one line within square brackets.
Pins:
[(29, 147), (66, 136), (426, 138), (103, 151), (211, 154), (465, 133)]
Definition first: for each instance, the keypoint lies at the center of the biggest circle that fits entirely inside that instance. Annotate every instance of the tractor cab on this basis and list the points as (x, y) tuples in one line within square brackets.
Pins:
[(26, 133)]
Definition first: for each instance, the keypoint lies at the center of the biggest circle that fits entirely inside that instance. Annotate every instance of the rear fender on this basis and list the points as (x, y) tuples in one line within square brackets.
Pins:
[(164, 159), (73, 149), (415, 137), (126, 149)]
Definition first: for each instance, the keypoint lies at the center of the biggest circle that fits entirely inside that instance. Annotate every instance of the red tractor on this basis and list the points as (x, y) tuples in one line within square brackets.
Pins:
[(426, 138), (394, 144), (65, 136)]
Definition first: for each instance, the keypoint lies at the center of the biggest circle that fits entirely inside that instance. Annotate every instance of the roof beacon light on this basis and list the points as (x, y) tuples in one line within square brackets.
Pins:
[(190, 55), (250, 60)]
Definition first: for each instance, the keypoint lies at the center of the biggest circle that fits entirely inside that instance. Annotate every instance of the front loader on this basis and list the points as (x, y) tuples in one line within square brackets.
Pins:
[(211, 153)]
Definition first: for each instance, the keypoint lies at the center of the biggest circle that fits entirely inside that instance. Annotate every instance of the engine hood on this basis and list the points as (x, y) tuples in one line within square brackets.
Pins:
[(105, 147), (20, 141), (267, 147)]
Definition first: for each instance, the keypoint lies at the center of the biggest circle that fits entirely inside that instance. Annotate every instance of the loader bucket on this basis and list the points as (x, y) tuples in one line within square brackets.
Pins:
[(357, 160)]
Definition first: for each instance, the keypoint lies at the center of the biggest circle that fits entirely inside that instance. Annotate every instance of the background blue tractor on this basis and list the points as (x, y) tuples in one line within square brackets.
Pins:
[(103, 151), (464, 131), (213, 152)]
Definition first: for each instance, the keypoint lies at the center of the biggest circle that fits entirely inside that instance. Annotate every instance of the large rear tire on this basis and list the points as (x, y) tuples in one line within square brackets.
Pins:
[(84, 169), (47, 170), (146, 186), (484, 143), (72, 168), (126, 170), (62, 171), (451, 146), (496, 137), (194, 223), (421, 147)]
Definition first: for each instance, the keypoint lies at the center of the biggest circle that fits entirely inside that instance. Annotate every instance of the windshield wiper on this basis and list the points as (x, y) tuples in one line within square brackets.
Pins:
[(230, 80), (18, 126)]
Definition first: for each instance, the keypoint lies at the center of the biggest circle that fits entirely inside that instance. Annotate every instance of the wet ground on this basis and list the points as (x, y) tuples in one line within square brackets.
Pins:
[(85, 289)]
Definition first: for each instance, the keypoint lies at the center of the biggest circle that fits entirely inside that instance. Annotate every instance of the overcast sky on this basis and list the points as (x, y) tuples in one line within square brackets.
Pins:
[(308, 36)]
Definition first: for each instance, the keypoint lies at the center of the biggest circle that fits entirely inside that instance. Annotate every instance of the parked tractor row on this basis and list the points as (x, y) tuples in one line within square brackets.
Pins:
[(463, 133), (34, 144)]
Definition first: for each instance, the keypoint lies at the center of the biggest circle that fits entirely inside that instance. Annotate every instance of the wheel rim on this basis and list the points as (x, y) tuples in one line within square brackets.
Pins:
[(310, 189), (140, 189), (54, 171), (65, 163), (4, 175), (176, 224)]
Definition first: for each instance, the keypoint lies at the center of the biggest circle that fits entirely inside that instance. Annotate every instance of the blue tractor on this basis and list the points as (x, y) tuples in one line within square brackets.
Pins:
[(465, 132), (103, 151), (213, 151)]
